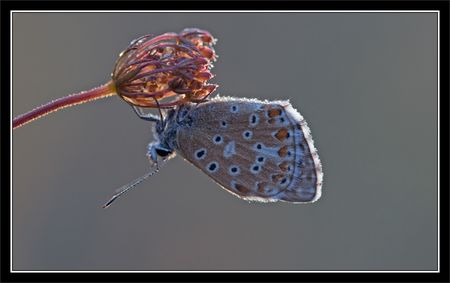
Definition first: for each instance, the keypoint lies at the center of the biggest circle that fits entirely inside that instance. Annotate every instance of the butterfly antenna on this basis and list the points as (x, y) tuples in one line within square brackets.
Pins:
[(131, 185), (159, 108)]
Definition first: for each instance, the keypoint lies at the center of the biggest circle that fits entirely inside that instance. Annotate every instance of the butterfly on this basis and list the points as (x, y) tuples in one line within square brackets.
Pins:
[(256, 150)]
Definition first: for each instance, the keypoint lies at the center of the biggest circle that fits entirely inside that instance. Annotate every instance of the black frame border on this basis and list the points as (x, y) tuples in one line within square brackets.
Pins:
[(7, 6)]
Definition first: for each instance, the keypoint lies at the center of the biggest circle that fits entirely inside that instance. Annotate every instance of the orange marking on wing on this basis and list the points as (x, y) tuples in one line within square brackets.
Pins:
[(242, 189), (282, 134), (283, 151), (261, 187), (284, 166), (278, 177), (274, 112)]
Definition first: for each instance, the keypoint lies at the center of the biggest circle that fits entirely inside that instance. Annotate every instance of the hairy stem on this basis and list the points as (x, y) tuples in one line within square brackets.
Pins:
[(103, 91)]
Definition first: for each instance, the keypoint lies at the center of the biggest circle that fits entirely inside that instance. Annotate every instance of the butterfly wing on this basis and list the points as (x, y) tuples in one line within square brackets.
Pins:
[(257, 150)]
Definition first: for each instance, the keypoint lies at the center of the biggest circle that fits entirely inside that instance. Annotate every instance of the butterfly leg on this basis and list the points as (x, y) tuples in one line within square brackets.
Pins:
[(145, 116)]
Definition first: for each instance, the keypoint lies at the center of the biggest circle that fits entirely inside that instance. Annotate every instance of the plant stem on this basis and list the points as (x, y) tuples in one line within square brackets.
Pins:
[(103, 91)]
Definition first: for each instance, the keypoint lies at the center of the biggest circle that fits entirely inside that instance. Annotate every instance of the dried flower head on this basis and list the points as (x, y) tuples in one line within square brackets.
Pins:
[(171, 65)]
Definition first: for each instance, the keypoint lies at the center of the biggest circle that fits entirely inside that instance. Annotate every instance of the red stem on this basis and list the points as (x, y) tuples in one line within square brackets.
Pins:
[(103, 91)]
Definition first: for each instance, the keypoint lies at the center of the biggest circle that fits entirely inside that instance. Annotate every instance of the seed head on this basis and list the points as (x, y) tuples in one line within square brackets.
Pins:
[(170, 65)]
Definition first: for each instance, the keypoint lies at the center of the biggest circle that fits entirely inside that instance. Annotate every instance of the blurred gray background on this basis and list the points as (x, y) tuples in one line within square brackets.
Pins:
[(366, 83)]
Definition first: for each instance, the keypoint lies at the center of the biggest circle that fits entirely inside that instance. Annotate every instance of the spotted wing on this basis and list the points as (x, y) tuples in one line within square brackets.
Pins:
[(257, 150)]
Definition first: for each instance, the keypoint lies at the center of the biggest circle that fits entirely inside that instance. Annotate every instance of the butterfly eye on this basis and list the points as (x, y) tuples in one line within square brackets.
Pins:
[(163, 152)]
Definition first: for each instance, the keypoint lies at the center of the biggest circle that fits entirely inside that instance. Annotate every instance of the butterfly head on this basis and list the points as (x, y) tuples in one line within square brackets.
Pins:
[(165, 133)]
